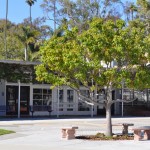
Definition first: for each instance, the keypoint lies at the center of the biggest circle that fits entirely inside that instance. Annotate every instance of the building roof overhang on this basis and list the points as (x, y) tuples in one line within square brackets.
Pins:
[(19, 62)]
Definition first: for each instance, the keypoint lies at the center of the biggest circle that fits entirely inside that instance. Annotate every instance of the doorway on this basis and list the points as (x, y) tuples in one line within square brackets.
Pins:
[(12, 100)]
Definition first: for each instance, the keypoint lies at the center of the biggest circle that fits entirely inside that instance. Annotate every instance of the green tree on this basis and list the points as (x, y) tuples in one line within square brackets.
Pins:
[(14, 46), (18, 35), (45, 31), (28, 38), (76, 13), (144, 13), (30, 3), (85, 59), (33, 39)]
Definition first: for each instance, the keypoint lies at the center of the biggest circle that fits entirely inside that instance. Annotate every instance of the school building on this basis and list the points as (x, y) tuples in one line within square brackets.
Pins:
[(21, 95)]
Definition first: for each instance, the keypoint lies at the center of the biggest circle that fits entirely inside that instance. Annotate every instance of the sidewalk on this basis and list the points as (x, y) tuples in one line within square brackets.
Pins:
[(46, 135)]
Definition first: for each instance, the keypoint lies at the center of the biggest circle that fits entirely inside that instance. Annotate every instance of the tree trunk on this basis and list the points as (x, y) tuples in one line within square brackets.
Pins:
[(108, 111), (25, 52), (108, 121), (5, 35), (132, 14), (54, 16), (30, 17)]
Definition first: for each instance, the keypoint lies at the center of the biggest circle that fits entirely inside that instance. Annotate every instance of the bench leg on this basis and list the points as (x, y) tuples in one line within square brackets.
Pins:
[(64, 134), (125, 130), (70, 134), (137, 135), (146, 135)]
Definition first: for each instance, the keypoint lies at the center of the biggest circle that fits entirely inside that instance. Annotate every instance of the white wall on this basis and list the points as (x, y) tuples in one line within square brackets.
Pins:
[(55, 111), (64, 105)]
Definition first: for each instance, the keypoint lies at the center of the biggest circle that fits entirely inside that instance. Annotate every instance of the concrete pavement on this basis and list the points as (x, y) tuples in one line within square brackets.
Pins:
[(45, 134)]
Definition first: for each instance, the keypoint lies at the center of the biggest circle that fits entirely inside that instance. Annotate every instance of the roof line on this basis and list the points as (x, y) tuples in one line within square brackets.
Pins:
[(19, 62)]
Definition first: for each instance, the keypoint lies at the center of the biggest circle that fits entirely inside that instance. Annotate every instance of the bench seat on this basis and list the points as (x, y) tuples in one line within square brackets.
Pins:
[(69, 132), (124, 127), (138, 133)]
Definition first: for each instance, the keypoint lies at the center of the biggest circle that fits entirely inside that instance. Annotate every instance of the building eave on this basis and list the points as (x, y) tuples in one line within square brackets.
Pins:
[(19, 62)]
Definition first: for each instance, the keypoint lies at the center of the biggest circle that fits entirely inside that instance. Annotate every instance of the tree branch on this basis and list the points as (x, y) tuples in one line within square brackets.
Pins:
[(89, 100)]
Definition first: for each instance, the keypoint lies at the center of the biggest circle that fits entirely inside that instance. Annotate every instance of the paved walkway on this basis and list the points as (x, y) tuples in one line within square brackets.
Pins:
[(46, 135)]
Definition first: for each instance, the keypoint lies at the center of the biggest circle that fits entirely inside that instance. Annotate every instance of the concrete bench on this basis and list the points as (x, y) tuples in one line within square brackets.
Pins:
[(141, 133), (124, 127), (68, 132)]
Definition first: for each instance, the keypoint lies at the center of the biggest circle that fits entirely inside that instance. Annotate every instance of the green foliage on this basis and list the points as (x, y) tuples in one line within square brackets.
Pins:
[(30, 2), (21, 37), (13, 73), (143, 13), (28, 37), (76, 58), (14, 46)]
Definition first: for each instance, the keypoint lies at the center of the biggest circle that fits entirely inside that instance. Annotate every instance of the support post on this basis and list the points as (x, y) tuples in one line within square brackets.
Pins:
[(122, 99), (92, 111), (18, 98), (58, 103)]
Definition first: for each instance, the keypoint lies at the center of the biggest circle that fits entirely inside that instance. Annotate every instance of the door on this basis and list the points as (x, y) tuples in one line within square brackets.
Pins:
[(12, 100), (24, 100)]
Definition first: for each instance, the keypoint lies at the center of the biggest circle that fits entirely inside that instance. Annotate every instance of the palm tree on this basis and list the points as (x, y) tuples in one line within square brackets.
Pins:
[(5, 33), (30, 3), (28, 37)]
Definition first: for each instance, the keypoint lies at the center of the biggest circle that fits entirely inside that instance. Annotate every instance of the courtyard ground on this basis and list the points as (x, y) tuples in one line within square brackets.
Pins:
[(45, 134)]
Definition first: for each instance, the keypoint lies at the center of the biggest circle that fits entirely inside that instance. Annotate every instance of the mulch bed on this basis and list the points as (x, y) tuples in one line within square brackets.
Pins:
[(101, 136)]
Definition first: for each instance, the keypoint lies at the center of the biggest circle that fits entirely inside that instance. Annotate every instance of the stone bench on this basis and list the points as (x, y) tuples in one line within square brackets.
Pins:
[(68, 132), (124, 127), (141, 133)]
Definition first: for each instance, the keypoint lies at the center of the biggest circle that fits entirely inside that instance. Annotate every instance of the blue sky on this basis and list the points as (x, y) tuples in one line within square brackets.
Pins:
[(19, 10)]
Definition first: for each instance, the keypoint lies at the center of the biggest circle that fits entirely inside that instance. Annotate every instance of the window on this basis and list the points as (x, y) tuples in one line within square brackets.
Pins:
[(60, 99), (82, 106), (85, 93), (61, 96), (128, 94), (70, 96), (42, 97), (61, 106), (70, 99)]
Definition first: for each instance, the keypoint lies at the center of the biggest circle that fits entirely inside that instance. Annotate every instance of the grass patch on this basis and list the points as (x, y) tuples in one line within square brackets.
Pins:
[(3, 132)]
